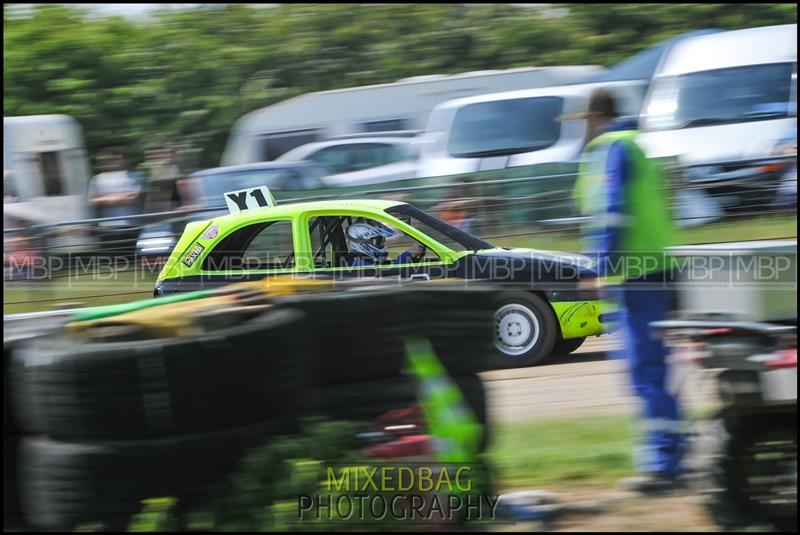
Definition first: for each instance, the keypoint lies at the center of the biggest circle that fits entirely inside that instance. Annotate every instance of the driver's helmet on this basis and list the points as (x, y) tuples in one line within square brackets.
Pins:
[(369, 240)]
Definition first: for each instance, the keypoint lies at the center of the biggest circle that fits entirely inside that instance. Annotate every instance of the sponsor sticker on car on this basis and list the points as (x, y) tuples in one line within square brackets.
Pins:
[(194, 253), (211, 233)]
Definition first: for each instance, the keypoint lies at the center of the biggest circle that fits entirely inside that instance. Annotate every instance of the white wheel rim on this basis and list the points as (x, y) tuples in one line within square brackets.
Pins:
[(516, 329)]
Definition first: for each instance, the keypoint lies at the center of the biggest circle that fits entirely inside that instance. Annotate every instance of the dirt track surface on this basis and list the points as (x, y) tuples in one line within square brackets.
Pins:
[(585, 383), (588, 383)]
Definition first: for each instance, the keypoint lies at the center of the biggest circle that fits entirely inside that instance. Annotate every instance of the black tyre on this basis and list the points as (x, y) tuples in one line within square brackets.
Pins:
[(525, 329), (17, 333), (72, 389), (356, 336), (11, 504), (458, 325), (68, 484), (369, 401), (363, 401), (9, 426), (753, 478), (565, 347)]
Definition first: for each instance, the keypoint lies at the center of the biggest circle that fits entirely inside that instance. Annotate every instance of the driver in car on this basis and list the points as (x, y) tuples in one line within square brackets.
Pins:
[(368, 246)]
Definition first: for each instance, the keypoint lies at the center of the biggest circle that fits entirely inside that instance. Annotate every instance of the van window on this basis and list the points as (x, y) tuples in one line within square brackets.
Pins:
[(739, 94), (51, 173), (504, 127)]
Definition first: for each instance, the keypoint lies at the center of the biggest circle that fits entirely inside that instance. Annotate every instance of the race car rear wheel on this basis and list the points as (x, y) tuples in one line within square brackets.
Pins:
[(525, 329)]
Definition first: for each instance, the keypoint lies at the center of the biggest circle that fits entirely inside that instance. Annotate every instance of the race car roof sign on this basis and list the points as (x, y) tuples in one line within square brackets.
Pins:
[(249, 199)]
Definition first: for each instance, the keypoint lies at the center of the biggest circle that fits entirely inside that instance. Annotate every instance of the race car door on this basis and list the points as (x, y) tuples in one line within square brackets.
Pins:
[(251, 252)]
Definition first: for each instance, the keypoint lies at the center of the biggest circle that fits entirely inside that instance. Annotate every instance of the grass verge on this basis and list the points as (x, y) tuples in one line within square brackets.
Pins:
[(562, 453)]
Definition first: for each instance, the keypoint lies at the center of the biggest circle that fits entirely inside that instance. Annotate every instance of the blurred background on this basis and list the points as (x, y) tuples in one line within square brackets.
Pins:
[(124, 122), (113, 113)]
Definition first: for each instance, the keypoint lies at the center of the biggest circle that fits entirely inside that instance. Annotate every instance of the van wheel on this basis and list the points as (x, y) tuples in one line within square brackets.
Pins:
[(525, 329)]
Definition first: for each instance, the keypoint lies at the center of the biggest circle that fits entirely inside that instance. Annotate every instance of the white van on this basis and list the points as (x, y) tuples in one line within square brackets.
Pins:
[(514, 128), (717, 102)]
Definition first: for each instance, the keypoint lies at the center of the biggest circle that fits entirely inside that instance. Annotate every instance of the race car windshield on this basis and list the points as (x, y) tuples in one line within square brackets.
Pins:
[(448, 235)]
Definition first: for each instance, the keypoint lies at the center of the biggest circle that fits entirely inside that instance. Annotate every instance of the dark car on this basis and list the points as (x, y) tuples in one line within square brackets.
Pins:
[(155, 242)]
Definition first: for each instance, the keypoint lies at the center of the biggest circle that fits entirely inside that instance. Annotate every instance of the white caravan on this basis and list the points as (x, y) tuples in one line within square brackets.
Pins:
[(47, 168)]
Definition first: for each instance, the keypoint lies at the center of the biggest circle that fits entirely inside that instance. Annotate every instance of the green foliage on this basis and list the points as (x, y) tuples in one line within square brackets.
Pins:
[(157, 515), (191, 73), (261, 494)]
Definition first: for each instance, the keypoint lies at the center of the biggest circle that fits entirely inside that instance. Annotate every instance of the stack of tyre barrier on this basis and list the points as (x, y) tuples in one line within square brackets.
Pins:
[(108, 423), (358, 368), (111, 415), (15, 334), (11, 506)]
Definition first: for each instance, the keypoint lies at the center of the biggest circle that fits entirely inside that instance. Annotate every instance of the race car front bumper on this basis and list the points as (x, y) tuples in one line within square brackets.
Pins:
[(579, 318)]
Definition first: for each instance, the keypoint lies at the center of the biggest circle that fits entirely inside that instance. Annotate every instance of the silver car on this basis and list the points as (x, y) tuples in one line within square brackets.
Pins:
[(363, 159)]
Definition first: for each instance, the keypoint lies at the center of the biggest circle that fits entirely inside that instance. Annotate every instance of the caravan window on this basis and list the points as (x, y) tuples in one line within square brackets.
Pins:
[(504, 127), (274, 145), (388, 125)]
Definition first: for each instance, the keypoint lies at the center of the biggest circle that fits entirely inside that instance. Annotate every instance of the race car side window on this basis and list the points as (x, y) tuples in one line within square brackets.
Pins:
[(331, 249), (327, 240), (402, 243), (266, 245)]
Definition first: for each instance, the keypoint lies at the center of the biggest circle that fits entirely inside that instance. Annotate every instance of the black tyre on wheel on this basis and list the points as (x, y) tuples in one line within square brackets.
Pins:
[(525, 329), (74, 389), (565, 347)]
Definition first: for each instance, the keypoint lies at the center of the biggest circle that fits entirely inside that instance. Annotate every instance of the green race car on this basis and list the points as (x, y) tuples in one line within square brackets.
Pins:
[(540, 308)]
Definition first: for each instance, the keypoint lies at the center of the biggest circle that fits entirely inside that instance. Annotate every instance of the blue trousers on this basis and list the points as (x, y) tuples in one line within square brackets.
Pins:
[(647, 367)]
